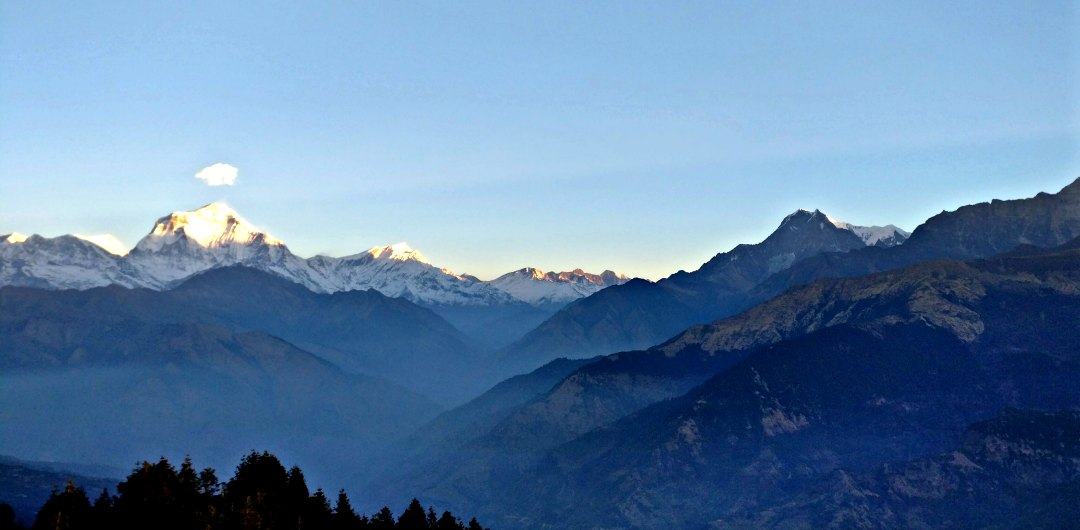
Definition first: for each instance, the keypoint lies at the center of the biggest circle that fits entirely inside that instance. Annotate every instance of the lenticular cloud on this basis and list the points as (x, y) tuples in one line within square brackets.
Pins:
[(218, 175)]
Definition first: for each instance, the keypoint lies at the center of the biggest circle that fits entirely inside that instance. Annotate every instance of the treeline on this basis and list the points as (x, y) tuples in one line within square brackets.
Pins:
[(262, 495)]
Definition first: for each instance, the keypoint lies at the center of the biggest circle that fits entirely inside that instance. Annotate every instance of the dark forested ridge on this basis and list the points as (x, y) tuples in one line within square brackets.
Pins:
[(839, 376), (262, 494)]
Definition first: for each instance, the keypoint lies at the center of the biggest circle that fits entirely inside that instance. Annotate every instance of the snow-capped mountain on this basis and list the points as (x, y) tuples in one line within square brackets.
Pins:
[(875, 236), (63, 262), (186, 243), (399, 271), (536, 287)]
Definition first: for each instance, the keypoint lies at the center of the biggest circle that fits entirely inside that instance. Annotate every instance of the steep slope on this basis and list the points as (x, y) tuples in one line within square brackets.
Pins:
[(938, 292), (1020, 469), (773, 425), (946, 336), (639, 314)]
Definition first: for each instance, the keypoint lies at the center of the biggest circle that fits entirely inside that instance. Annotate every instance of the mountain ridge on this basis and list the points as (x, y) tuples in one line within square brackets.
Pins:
[(184, 243)]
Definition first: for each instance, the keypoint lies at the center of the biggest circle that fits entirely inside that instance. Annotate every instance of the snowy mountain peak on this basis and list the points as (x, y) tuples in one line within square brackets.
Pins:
[(534, 286), (14, 238), (213, 225), (881, 236), (397, 252), (108, 242)]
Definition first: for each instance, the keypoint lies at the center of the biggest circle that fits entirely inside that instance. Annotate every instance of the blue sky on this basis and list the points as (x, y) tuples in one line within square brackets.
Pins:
[(641, 137)]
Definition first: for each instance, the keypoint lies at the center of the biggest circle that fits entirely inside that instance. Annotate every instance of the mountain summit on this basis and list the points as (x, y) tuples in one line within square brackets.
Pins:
[(398, 252), (185, 243), (212, 226), (537, 287), (639, 314)]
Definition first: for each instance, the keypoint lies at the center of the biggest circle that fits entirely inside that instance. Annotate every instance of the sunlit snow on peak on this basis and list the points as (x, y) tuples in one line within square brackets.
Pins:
[(14, 238), (398, 251), (213, 225), (109, 242)]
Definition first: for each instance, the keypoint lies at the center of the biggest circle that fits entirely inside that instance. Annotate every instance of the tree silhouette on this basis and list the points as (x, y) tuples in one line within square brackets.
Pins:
[(68, 510), (382, 520), (317, 514), (449, 522), (413, 518), (344, 516), (261, 495), (257, 495)]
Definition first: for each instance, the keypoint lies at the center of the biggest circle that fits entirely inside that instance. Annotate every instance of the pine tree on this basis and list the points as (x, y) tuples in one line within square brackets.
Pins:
[(449, 522), (413, 518), (102, 514), (261, 495), (296, 498), (67, 510), (344, 516), (152, 497), (258, 492), (317, 515), (383, 520)]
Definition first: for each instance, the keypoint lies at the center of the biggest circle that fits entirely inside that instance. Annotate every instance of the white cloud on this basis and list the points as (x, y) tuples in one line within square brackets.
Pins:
[(218, 175)]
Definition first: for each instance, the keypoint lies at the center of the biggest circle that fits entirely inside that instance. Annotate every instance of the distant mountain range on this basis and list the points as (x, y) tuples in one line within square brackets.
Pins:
[(831, 375), (539, 288), (640, 313), (806, 246), (183, 244), (188, 242)]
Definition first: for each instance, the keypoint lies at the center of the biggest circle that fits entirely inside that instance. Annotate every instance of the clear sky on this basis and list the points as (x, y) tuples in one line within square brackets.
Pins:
[(637, 136)]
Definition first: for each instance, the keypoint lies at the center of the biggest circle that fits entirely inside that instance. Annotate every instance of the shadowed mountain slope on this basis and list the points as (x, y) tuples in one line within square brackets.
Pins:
[(640, 313), (848, 373), (806, 246)]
